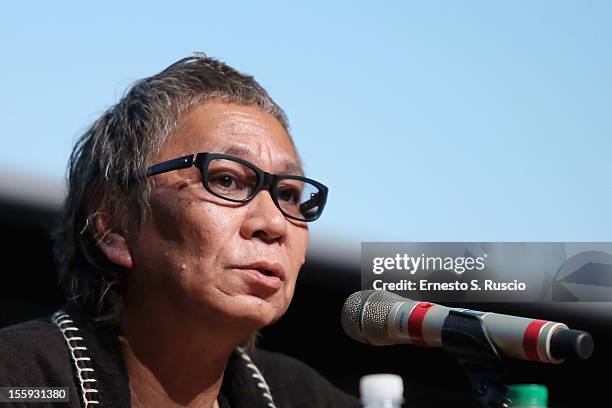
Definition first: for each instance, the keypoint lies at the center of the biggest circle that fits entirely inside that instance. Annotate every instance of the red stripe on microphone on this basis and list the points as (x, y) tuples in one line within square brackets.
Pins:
[(415, 322), (530, 339)]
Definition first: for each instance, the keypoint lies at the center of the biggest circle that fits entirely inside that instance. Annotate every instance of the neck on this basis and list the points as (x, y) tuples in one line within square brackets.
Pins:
[(172, 362)]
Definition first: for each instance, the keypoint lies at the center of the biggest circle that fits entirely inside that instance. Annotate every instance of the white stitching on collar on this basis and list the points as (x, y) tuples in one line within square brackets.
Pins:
[(80, 360), (257, 375)]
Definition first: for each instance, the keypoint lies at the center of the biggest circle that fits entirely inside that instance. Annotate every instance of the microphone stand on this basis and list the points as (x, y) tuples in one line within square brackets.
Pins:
[(465, 336)]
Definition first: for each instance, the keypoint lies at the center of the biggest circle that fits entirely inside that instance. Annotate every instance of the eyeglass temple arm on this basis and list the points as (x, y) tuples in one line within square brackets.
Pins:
[(174, 164)]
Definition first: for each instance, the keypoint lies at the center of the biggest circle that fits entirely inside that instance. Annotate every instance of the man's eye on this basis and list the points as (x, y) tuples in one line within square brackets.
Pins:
[(225, 181), (291, 195)]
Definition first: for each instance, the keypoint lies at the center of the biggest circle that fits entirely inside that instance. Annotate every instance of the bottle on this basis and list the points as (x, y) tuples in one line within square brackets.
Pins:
[(381, 391), (528, 396)]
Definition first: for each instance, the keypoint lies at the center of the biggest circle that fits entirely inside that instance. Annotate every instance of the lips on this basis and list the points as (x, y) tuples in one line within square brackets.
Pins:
[(267, 269), (264, 274)]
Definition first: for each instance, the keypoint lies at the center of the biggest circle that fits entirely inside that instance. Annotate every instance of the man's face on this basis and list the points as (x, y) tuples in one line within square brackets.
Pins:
[(205, 256)]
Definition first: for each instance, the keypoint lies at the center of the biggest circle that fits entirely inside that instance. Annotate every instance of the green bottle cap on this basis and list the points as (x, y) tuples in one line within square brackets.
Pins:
[(529, 395)]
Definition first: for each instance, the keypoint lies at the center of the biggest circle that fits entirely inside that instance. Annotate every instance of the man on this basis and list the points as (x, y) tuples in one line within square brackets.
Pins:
[(182, 234)]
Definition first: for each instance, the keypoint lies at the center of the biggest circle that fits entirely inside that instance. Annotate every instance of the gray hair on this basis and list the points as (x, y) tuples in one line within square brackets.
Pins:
[(120, 144)]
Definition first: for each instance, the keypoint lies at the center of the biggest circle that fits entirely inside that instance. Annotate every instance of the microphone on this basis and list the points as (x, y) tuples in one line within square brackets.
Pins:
[(381, 318)]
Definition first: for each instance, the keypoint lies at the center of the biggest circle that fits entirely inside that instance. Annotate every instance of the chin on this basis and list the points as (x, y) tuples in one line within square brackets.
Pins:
[(239, 310), (258, 313)]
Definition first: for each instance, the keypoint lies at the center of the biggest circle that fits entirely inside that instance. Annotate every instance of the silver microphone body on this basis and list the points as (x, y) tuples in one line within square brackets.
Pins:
[(383, 318)]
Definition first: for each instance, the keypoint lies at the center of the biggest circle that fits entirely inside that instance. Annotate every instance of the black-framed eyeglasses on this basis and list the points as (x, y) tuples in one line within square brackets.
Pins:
[(237, 180)]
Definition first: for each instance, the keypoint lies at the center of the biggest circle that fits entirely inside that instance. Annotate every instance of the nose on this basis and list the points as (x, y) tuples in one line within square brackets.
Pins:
[(264, 220)]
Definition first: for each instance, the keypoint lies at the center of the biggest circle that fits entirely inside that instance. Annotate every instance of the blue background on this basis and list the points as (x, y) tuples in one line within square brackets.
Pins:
[(429, 121)]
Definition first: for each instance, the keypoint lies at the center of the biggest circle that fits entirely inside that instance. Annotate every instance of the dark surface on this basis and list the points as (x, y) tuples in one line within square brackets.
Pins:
[(29, 282), (571, 344), (311, 332)]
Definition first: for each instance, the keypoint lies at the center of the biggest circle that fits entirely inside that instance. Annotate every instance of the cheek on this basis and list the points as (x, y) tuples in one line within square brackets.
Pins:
[(208, 230), (187, 232), (296, 246)]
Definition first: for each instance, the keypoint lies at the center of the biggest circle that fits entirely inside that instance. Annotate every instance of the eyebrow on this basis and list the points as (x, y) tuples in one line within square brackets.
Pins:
[(290, 167)]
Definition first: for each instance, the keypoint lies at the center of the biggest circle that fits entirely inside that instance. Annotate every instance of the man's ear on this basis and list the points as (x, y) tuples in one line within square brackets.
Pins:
[(113, 245)]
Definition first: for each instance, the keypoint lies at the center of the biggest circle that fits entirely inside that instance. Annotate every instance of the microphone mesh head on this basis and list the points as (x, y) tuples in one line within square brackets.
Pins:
[(364, 316), (350, 317)]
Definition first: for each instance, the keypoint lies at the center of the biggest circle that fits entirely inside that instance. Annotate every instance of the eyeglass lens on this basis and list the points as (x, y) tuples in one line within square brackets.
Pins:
[(235, 181)]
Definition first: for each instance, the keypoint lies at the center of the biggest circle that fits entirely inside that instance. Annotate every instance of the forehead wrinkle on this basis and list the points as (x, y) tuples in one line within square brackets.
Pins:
[(289, 167), (237, 123), (234, 131)]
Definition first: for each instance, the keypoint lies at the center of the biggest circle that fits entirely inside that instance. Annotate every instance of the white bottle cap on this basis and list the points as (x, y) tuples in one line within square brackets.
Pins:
[(381, 387)]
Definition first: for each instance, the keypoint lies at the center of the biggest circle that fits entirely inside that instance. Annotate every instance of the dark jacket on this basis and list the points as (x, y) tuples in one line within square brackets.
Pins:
[(70, 350)]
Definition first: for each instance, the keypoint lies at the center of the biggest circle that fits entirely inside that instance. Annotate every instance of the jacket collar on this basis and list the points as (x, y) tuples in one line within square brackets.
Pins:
[(95, 353)]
